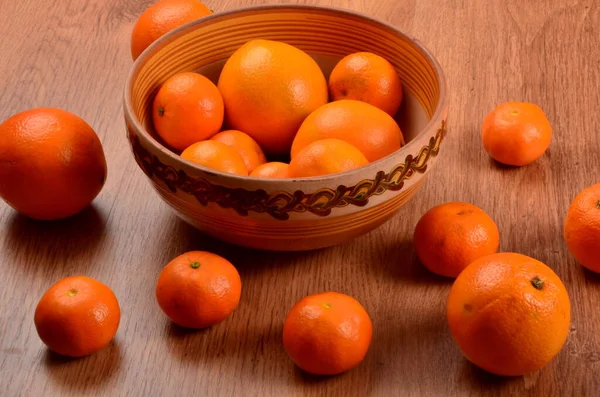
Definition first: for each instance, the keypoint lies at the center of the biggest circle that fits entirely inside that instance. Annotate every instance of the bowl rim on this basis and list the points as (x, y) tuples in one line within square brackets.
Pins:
[(373, 167)]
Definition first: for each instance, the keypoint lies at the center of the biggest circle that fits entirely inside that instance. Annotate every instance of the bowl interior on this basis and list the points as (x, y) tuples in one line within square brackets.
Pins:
[(327, 35)]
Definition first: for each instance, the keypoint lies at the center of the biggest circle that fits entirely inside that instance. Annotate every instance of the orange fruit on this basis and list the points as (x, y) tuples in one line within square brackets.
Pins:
[(247, 147), (269, 88), (509, 314), (371, 130), (450, 236), (52, 164), (367, 77), (582, 228), (216, 155), (327, 333), (327, 156), (273, 169), (77, 316), (187, 109), (516, 133), (198, 289), (162, 17)]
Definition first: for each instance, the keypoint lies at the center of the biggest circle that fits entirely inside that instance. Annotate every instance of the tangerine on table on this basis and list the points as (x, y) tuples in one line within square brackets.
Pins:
[(198, 289), (162, 17), (273, 169), (269, 88), (509, 314), (247, 147), (77, 316), (369, 129), (582, 228), (450, 236), (216, 155), (327, 156), (327, 333), (52, 164), (367, 77), (187, 108), (516, 133)]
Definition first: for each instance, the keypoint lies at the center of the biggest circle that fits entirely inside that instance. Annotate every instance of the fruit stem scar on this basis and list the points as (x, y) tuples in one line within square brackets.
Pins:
[(195, 265), (161, 111), (514, 112), (537, 282), (72, 292), (327, 305)]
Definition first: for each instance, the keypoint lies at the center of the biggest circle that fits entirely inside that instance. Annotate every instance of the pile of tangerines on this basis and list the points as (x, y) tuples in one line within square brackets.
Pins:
[(508, 312)]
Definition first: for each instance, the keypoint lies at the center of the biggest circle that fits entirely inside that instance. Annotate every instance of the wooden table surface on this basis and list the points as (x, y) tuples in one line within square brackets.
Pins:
[(74, 54)]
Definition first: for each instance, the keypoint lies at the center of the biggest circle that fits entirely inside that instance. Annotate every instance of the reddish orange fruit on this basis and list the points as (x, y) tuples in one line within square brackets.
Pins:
[(452, 235), (77, 316), (369, 129), (247, 147), (52, 164), (516, 133), (327, 333), (582, 228), (272, 170), (509, 314), (216, 155), (198, 289), (327, 156), (187, 109), (367, 77), (162, 17), (269, 88)]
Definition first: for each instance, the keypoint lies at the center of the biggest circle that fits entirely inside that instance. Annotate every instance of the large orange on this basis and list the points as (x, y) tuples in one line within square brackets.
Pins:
[(370, 129), (582, 228), (516, 133), (161, 18), (509, 314), (327, 156), (198, 289), (367, 77), (327, 333), (216, 155), (188, 108), (450, 236), (77, 316), (52, 164), (269, 88), (247, 147)]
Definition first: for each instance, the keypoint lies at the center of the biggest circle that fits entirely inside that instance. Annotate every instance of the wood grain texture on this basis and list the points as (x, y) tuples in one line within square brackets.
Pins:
[(74, 54)]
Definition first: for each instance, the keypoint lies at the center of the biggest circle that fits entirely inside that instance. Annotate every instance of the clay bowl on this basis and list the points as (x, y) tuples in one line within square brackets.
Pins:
[(289, 214)]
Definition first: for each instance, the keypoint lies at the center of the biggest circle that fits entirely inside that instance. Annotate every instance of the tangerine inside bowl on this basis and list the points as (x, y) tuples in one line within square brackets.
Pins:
[(288, 214)]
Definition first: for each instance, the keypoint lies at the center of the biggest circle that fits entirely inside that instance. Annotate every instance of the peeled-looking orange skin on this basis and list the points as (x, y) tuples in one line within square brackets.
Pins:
[(162, 17), (327, 333), (216, 155), (501, 321), (327, 156), (371, 130), (516, 133), (201, 296), (367, 77), (187, 109), (272, 170), (52, 164), (582, 228), (269, 88), (77, 316), (247, 147), (450, 236)]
